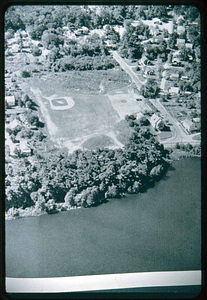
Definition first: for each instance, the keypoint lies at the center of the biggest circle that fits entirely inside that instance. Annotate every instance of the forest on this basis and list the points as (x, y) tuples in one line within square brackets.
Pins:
[(57, 180)]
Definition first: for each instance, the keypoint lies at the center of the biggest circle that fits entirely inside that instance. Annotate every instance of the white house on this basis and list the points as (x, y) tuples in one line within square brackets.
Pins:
[(24, 147), (13, 124), (174, 90), (187, 124), (10, 100), (174, 76), (139, 115), (180, 42), (189, 46), (196, 120), (156, 122), (184, 77), (163, 85)]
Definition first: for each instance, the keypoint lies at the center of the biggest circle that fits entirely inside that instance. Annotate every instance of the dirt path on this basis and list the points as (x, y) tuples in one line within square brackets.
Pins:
[(112, 135), (52, 128)]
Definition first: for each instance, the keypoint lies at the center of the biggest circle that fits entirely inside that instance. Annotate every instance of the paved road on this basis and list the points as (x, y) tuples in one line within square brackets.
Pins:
[(178, 133), (128, 70)]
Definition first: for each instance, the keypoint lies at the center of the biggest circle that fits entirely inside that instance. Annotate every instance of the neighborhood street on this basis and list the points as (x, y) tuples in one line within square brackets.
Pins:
[(128, 70), (178, 133)]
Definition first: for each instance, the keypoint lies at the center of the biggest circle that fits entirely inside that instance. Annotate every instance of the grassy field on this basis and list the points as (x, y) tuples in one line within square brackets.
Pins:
[(92, 121)]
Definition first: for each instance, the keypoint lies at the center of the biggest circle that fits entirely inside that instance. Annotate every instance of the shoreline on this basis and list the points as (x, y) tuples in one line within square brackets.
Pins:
[(34, 212)]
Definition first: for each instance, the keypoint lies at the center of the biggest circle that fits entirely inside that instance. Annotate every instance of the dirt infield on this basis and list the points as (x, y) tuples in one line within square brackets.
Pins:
[(57, 103)]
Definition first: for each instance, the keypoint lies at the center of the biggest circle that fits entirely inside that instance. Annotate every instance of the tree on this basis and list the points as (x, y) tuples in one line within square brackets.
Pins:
[(172, 40), (37, 31), (13, 20), (150, 89), (35, 50)]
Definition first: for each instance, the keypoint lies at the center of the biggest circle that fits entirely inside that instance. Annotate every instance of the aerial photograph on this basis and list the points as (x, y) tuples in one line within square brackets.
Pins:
[(102, 139)]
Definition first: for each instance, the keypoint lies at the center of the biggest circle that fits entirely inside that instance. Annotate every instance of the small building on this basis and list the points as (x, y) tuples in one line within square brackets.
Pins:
[(163, 85), (188, 93), (174, 76), (174, 90), (184, 77), (189, 46), (180, 42), (139, 115), (196, 120), (10, 100), (156, 122), (188, 125), (45, 53), (143, 60), (180, 29), (13, 124), (24, 147)]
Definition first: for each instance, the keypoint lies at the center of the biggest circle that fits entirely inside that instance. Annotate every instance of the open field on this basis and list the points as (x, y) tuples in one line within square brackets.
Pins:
[(79, 119), (126, 104)]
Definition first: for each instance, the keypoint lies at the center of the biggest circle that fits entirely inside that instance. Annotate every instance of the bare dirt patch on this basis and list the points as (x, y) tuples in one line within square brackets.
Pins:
[(126, 104)]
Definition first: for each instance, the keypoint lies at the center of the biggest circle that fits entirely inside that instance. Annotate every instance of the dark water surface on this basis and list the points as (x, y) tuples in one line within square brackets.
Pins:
[(159, 230)]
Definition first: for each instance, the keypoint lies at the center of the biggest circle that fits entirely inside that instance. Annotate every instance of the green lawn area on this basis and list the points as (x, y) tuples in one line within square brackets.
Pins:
[(100, 141), (165, 135), (197, 137), (90, 114)]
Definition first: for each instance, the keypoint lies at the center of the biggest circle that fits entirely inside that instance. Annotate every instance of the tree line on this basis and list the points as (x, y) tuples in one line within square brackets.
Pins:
[(57, 180)]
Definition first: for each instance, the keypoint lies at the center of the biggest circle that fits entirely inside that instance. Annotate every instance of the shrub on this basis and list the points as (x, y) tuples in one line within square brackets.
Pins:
[(25, 74)]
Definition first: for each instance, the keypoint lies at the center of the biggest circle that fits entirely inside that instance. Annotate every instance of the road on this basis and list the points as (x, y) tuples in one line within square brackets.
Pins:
[(128, 70), (178, 133)]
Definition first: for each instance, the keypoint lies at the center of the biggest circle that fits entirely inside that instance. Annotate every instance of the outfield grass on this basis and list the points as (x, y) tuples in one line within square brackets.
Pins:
[(100, 141), (90, 114)]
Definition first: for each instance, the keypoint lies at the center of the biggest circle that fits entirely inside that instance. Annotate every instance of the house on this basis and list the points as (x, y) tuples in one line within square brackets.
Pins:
[(184, 77), (188, 125), (45, 53), (143, 60), (156, 122), (196, 120), (174, 90), (10, 100), (180, 42), (139, 115), (13, 124), (180, 29), (163, 86), (188, 93), (24, 147), (174, 76), (189, 46), (180, 19)]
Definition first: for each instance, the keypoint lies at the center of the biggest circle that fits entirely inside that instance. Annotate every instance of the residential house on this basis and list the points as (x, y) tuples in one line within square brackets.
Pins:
[(189, 46), (180, 29), (24, 147), (139, 115), (180, 43), (163, 86), (174, 76), (143, 60), (156, 122), (13, 124), (184, 77), (188, 125), (196, 120), (174, 90), (10, 100), (188, 93)]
